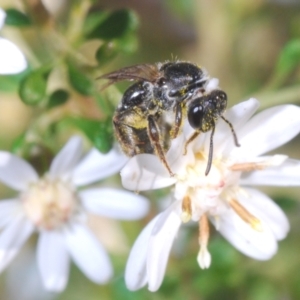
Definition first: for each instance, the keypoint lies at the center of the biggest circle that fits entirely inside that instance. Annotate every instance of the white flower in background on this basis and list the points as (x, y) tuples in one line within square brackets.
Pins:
[(246, 217), (25, 266), (12, 60), (54, 207)]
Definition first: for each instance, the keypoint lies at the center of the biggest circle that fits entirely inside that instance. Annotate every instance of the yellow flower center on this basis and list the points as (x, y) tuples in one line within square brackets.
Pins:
[(49, 204)]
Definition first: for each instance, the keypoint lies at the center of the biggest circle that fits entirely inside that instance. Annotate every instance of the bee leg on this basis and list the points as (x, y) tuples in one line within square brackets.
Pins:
[(125, 137), (154, 136), (178, 121), (191, 138)]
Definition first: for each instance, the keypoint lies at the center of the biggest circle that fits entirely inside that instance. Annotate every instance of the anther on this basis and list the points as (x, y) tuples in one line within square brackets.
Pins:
[(247, 167), (273, 161), (245, 215), (186, 209)]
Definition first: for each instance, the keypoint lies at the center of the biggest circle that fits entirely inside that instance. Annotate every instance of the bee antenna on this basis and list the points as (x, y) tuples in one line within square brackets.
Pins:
[(232, 131), (211, 150)]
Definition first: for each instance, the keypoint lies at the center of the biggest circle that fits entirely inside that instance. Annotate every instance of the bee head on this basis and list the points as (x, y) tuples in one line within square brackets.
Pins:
[(204, 111)]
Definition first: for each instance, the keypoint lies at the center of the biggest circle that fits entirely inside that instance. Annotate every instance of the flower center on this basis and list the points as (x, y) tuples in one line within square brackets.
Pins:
[(209, 196), (49, 204), (200, 193)]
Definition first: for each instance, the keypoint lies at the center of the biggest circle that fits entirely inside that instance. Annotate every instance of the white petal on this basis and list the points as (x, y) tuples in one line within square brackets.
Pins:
[(96, 166), (287, 174), (146, 171), (12, 239), (2, 17), (136, 177), (53, 260), (265, 209), (23, 278), (269, 129), (238, 115), (159, 247), (88, 254), (16, 172), (67, 158), (260, 245), (135, 272), (174, 155), (12, 60), (8, 210), (117, 204)]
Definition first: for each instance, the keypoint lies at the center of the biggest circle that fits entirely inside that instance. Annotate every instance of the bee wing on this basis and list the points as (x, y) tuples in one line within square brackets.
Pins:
[(145, 72)]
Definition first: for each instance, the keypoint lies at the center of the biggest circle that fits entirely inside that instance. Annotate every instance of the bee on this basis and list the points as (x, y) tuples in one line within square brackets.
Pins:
[(152, 110)]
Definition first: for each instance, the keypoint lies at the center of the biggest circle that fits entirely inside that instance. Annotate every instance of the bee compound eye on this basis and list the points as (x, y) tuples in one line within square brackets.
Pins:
[(195, 115)]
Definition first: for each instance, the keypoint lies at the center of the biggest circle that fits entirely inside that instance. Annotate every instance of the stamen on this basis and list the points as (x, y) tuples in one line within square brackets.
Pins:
[(273, 161), (245, 215), (203, 258), (186, 209), (203, 231), (199, 156), (247, 167)]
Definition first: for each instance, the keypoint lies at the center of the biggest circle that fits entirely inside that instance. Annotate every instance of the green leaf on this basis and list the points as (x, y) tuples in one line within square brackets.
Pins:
[(10, 83), (100, 133), (104, 138), (79, 81), (57, 98), (93, 20), (18, 143), (32, 88), (289, 57), (115, 25), (106, 106), (128, 43), (110, 49), (16, 18), (106, 53)]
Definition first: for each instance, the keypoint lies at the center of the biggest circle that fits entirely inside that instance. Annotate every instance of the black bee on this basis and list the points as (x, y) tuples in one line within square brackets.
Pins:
[(152, 110)]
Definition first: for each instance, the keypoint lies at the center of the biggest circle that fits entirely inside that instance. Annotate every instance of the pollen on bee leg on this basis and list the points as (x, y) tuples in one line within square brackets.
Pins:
[(204, 257), (245, 215), (186, 209)]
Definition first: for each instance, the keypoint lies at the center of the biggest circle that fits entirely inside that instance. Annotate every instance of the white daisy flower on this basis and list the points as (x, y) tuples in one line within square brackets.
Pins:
[(246, 217), (12, 60), (54, 206), (25, 266)]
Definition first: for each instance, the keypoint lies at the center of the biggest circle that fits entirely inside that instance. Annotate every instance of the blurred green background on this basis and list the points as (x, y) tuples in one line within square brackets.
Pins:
[(253, 47)]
